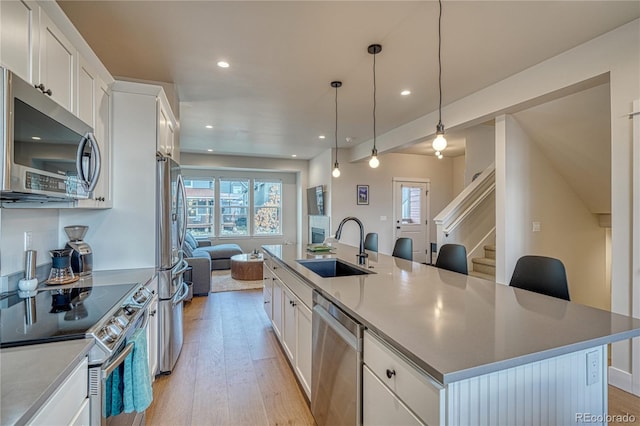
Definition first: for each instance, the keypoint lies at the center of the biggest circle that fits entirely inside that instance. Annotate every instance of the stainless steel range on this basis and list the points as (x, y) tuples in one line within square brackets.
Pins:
[(109, 314)]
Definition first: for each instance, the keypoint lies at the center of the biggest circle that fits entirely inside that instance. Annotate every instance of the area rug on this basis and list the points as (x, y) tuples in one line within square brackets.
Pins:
[(222, 281)]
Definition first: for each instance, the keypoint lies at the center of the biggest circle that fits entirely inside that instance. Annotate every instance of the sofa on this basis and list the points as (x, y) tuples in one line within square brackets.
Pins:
[(204, 258)]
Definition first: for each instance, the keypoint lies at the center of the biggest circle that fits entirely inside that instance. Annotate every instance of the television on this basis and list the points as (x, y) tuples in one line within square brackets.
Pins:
[(315, 201)]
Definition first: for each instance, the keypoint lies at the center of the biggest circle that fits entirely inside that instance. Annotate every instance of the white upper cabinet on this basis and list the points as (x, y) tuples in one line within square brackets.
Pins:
[(57, 64), (166, 126), (96, 90), (86, 101), (19, 37)]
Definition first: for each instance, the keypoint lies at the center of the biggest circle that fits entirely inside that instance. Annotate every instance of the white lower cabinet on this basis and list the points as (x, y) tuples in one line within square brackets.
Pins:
[(277, 307), (382, 407), (303, 346), (267, 293), (69, 403), (289, 323), (291, 319), (420, 396)]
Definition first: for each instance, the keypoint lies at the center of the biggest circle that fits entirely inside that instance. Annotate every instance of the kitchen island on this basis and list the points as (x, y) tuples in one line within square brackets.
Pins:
[(499, 355)]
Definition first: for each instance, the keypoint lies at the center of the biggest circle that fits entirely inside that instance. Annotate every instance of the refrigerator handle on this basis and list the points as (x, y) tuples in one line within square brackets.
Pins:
[(182, 232)]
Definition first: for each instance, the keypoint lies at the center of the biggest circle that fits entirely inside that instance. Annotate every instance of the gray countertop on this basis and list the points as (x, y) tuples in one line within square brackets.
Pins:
[(456, 326), (30, 374)]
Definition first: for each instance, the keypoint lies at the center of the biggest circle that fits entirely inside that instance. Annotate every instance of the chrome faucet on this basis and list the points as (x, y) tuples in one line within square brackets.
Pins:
[(362, 256)]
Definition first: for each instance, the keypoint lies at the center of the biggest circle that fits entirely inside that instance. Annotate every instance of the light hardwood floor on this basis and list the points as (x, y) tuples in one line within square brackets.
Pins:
[(232, 371)]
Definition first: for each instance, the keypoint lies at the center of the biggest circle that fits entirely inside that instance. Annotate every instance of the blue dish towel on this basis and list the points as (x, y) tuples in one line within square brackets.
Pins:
[(128, 388), (137, 394)]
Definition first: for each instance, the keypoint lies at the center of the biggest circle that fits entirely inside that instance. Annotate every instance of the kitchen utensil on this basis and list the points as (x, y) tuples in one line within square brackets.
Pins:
[(29, 282), (81, 253), (61, 272), (76, 232)]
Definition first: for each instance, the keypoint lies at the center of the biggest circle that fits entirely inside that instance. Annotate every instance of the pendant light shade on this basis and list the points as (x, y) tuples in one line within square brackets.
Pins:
[(374, 49), (440, 142), (336, 169)]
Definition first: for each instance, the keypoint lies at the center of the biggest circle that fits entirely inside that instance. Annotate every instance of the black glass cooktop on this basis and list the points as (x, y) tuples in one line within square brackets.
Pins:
[(56, 314)]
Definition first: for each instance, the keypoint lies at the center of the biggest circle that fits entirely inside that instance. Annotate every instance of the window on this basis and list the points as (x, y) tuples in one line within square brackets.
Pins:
[(234, 207), (267, 207), (200, 206), (411, 204)]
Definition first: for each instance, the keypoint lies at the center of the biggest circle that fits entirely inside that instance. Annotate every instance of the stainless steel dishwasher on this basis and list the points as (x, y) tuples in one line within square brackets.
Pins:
[(336, 378)]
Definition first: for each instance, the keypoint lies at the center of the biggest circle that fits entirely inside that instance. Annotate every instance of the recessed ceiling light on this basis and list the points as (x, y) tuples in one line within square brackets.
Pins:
[(210, 150), (35, 138), (223, 64), (209, 126), (293, 155), (405, 92), (321, 137)]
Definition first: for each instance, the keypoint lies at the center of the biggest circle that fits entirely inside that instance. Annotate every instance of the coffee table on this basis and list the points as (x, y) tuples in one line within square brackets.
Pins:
[(246, 267)]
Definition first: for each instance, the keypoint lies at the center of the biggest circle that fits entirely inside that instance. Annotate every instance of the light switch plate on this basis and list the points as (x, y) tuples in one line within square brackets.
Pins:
[(535, 226)]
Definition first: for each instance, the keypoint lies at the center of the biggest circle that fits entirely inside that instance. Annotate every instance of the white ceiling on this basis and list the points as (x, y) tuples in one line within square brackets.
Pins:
[(275, 99)]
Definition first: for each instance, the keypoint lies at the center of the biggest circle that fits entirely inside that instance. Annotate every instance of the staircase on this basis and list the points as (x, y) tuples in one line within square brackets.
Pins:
[(485, 267)]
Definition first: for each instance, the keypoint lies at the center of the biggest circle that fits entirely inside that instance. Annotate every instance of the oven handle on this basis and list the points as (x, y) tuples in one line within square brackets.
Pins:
[(106, 371)]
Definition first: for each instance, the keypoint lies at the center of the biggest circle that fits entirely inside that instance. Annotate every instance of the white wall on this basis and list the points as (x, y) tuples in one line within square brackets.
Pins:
[(343, 193), (42, 223), (535, 191), (459, 182), (480, 150)]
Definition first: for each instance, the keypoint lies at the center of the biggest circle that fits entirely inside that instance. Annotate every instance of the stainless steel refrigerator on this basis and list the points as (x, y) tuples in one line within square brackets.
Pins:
[(171, 213)]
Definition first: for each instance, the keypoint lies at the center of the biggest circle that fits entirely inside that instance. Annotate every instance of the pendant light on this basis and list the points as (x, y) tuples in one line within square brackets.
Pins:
[(336, 168), (439, 143), (374, 49)]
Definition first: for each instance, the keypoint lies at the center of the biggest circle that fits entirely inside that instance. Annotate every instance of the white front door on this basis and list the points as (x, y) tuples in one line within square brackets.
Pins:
[(411, 213)]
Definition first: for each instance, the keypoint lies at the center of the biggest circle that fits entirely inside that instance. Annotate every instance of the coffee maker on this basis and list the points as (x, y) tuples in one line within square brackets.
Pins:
[(81, 254)]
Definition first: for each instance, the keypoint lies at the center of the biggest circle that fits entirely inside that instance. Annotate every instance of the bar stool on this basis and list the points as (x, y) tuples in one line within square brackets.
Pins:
[(544, 275), (453, 257)]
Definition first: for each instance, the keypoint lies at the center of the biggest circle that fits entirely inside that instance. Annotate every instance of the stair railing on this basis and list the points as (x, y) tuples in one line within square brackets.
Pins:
[(465, 204)]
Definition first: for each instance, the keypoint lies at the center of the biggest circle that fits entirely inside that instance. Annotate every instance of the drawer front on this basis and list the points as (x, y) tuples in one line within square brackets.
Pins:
[(302, 290), (380, 406), (412, 386), (65, 403)]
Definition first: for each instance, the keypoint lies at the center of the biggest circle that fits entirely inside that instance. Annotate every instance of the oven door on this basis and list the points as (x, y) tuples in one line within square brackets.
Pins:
[(101, 379)]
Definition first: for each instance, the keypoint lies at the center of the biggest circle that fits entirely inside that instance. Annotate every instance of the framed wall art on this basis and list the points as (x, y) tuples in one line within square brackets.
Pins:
[(362, 194)]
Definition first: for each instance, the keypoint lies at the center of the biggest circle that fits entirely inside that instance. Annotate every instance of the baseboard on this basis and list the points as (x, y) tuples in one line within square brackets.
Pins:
[(621, 379)]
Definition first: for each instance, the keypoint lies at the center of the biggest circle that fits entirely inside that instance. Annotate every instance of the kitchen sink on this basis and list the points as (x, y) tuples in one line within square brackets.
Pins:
[(329, 268)]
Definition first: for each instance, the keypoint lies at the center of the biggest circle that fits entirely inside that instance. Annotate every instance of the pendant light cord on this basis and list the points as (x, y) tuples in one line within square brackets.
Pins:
[(374, 101), (336, 134), (440, 63)]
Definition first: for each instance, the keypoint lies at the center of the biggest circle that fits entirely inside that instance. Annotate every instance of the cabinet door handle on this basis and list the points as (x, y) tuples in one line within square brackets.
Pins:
[(42, 89), (390, 373)]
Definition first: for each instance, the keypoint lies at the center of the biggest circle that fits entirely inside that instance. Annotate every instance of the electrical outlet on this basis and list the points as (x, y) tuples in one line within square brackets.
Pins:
[(28, 240), (593, 368), (535, 226)]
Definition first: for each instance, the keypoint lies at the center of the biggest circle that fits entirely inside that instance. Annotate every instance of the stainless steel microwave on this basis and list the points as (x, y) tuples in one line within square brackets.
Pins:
[(48, 154)]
